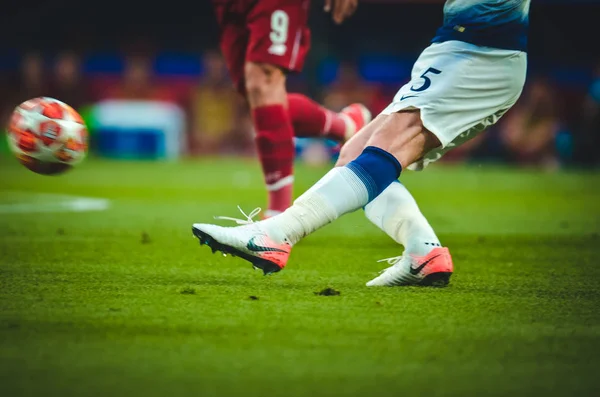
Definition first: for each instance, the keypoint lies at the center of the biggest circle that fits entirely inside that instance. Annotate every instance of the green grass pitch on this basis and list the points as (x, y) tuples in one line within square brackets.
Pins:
[(124, 302)]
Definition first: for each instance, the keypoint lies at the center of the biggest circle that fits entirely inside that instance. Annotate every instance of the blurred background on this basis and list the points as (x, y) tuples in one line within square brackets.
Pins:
[(151, 83)]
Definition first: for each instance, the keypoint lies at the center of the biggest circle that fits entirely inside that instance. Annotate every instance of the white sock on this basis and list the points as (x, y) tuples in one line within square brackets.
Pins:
[(340, 191), (395, 211)]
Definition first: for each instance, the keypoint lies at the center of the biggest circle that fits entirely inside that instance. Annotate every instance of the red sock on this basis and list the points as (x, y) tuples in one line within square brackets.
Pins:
[(313, 120), (275, 145)]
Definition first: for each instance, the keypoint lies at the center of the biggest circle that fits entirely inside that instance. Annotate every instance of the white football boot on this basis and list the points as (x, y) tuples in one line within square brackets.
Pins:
[(433, 269), (248, 241)]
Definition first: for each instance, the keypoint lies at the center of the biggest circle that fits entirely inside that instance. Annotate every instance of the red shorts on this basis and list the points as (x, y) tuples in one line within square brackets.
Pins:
[(265, 31)]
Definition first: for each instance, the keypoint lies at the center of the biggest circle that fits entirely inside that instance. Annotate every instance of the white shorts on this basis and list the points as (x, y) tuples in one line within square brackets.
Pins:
[(460, 89)]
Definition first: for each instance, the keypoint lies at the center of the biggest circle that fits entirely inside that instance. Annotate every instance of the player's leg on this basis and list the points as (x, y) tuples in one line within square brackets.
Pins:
[(493, 84), (424, 260), (342, 190), (267, 96), (278, 43), (263, 84), (478, 86), (311, 120), (396, 140), (395, 212)]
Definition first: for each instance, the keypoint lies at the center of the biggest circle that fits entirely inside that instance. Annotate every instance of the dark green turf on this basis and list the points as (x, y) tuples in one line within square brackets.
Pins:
[(125, 303)]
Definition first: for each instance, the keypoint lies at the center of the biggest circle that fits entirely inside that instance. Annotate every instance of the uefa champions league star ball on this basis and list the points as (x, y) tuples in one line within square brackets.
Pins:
[(47, 136)]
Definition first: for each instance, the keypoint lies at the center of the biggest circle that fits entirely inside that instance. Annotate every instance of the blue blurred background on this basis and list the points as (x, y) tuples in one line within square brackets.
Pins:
[(150, 81)]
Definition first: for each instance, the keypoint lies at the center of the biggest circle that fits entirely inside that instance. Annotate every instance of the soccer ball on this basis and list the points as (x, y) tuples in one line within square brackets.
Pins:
[(47, 136)]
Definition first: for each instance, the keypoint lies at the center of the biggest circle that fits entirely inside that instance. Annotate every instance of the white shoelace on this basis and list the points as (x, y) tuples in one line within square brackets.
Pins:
[(249, 217), (391, 261)]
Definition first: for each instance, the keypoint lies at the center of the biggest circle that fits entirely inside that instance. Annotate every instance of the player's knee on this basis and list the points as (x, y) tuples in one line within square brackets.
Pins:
[(264, 83)]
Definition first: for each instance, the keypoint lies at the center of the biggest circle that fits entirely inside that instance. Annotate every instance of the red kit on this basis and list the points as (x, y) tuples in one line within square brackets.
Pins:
[(265, 31)]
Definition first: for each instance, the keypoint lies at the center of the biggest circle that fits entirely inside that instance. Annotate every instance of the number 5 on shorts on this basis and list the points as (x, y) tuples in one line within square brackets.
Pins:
[(426, 80)]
